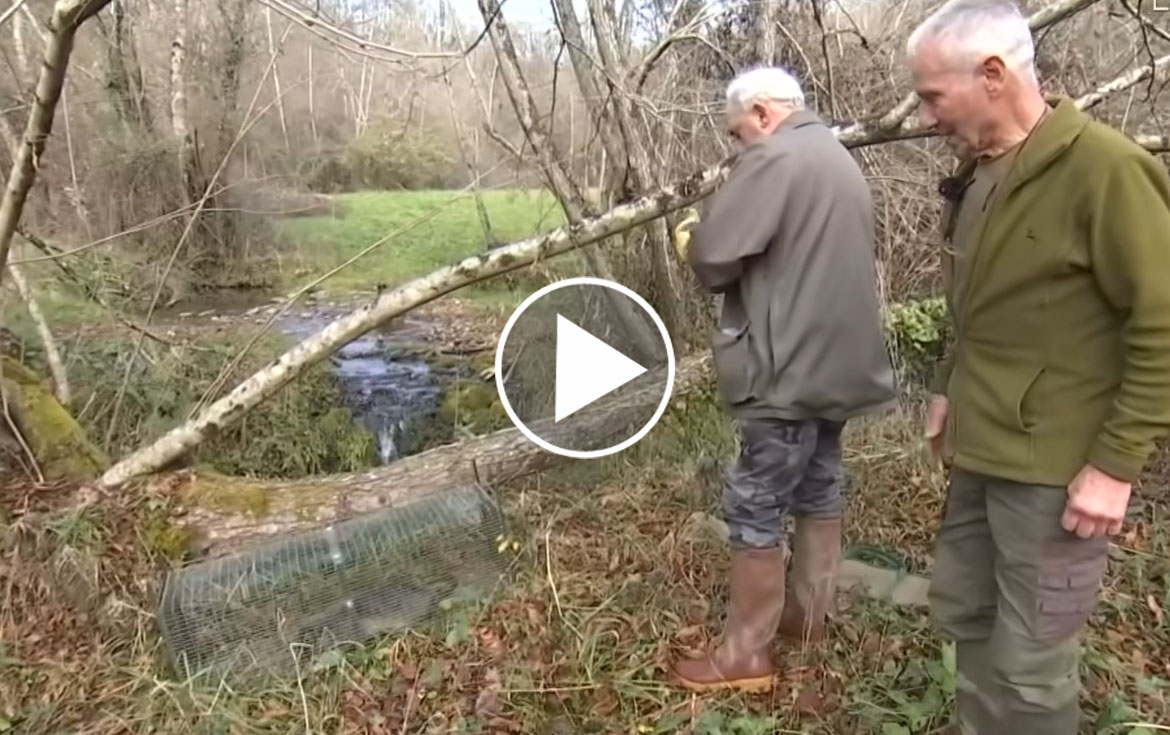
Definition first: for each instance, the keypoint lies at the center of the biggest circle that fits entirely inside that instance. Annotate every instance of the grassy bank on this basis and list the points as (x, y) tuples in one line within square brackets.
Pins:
[(122, 403), (419, 232)]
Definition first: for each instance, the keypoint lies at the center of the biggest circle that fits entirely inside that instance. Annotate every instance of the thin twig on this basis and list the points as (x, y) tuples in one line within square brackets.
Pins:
[(11, 11), (85, 288)]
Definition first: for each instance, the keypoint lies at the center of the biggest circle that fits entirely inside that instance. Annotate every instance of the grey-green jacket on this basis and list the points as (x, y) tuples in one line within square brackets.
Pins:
[(788, 241)]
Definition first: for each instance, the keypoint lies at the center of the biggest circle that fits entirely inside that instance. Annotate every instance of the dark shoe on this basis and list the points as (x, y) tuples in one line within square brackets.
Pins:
[(816, 552), (744, 658)]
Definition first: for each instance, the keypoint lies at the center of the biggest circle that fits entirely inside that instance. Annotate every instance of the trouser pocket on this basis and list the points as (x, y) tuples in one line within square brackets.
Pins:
[(1071, 572)]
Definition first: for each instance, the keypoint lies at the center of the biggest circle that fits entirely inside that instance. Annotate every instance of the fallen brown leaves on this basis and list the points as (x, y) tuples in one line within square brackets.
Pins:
[(611, 583), (70, 561)]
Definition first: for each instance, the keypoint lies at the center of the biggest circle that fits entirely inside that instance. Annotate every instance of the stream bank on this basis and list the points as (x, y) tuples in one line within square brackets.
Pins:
[(411, 382)]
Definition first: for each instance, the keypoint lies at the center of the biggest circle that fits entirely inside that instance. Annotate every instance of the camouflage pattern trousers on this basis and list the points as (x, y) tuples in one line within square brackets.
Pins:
[(784, 466), (1013, 589)]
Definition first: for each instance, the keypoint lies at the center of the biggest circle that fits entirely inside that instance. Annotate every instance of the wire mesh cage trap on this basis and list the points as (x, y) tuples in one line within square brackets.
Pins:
[(268, 609)]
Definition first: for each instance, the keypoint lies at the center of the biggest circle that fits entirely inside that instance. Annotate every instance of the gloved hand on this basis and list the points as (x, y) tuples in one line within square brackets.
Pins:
[(681, 235)]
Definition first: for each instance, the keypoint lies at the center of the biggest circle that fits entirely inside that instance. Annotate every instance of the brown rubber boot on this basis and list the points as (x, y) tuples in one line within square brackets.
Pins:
[(744, 658), (816, 552)]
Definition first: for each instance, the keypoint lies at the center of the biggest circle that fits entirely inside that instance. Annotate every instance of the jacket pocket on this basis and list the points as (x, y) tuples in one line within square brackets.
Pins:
[(734, 364), (1025, 419)]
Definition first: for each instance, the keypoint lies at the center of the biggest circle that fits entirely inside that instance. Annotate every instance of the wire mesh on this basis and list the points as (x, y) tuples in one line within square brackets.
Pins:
[(269, 609)]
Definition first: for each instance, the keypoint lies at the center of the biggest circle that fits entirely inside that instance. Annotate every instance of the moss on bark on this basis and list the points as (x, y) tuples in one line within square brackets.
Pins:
[(56, 440)]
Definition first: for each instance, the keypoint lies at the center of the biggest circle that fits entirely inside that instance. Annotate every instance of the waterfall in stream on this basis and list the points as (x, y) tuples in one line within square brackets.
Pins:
[(393, 394)]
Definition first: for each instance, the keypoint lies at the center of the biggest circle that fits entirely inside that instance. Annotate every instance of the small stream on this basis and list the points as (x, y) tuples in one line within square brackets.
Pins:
[(387, 384), (392, 393)]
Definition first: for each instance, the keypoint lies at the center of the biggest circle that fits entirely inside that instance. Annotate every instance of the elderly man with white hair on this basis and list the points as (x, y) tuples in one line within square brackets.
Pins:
[(789, 243), (1056, 255)]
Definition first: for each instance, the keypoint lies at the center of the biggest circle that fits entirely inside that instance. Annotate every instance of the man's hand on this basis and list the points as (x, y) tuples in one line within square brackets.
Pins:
[(1096, 504), (936, 423), (682, 233)]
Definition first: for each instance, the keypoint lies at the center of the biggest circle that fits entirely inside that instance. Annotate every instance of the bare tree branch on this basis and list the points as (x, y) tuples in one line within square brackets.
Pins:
[(1145, 22), (568, 193), (89, 291), (10, 12), (67, 16), (309, 19), (1123, 82), (1046, 16), (1153, 143), (41, 324), (391, 303)]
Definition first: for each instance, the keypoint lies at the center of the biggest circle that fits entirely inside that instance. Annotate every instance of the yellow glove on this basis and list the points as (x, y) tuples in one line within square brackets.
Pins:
[(681, 236)]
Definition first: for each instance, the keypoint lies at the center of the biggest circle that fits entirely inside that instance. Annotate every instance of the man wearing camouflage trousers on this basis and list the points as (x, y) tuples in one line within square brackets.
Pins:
[(788, 242), (1056, 253)]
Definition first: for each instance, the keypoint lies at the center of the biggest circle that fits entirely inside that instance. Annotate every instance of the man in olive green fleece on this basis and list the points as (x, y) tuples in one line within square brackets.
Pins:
[(1056, 255)]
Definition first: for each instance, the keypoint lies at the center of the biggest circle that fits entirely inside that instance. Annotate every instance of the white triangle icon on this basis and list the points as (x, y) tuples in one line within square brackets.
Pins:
[(587, 369)]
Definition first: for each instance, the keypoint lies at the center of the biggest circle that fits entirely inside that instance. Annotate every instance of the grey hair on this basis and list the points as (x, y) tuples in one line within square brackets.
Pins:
[(768, 83), (974, 29)]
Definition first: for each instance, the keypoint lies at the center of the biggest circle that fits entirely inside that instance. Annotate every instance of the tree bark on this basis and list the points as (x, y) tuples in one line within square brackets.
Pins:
[(666, 275), (227, 512), (613, 117), (123, 74), (68, 15), (276, 82), (179, 128)]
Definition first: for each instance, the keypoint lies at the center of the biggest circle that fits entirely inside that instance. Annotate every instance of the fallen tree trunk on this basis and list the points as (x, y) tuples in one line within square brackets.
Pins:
[(231, 408), (223, 513)]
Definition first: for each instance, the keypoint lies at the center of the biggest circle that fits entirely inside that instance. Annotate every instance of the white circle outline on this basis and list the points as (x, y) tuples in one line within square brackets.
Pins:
[(670, 368)]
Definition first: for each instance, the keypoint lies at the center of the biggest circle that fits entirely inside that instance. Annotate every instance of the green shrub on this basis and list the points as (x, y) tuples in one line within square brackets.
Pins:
[(917, 333)]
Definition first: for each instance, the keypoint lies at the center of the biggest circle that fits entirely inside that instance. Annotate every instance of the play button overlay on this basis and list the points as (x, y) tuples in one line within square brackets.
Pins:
[(585, 368)]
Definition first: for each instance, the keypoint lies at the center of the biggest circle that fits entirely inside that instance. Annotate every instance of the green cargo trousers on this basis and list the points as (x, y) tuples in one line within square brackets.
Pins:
[(1013, 589)]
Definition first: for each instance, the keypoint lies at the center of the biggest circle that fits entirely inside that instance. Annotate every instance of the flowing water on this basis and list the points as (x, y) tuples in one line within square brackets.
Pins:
[(386, 383), (392, 392)]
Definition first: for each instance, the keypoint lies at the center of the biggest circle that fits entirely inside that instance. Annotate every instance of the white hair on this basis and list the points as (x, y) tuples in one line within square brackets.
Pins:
[(766, 83), (971, 30)]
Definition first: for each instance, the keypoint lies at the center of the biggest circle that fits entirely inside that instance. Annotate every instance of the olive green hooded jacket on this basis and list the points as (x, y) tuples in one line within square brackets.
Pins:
[(1061, 355)]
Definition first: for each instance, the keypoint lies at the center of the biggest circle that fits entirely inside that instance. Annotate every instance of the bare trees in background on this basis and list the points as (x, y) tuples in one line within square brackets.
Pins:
[(610, 102)]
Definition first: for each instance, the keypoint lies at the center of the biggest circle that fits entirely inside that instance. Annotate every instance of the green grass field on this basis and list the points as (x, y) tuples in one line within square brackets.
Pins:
[(415, 232), (422, 231)]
